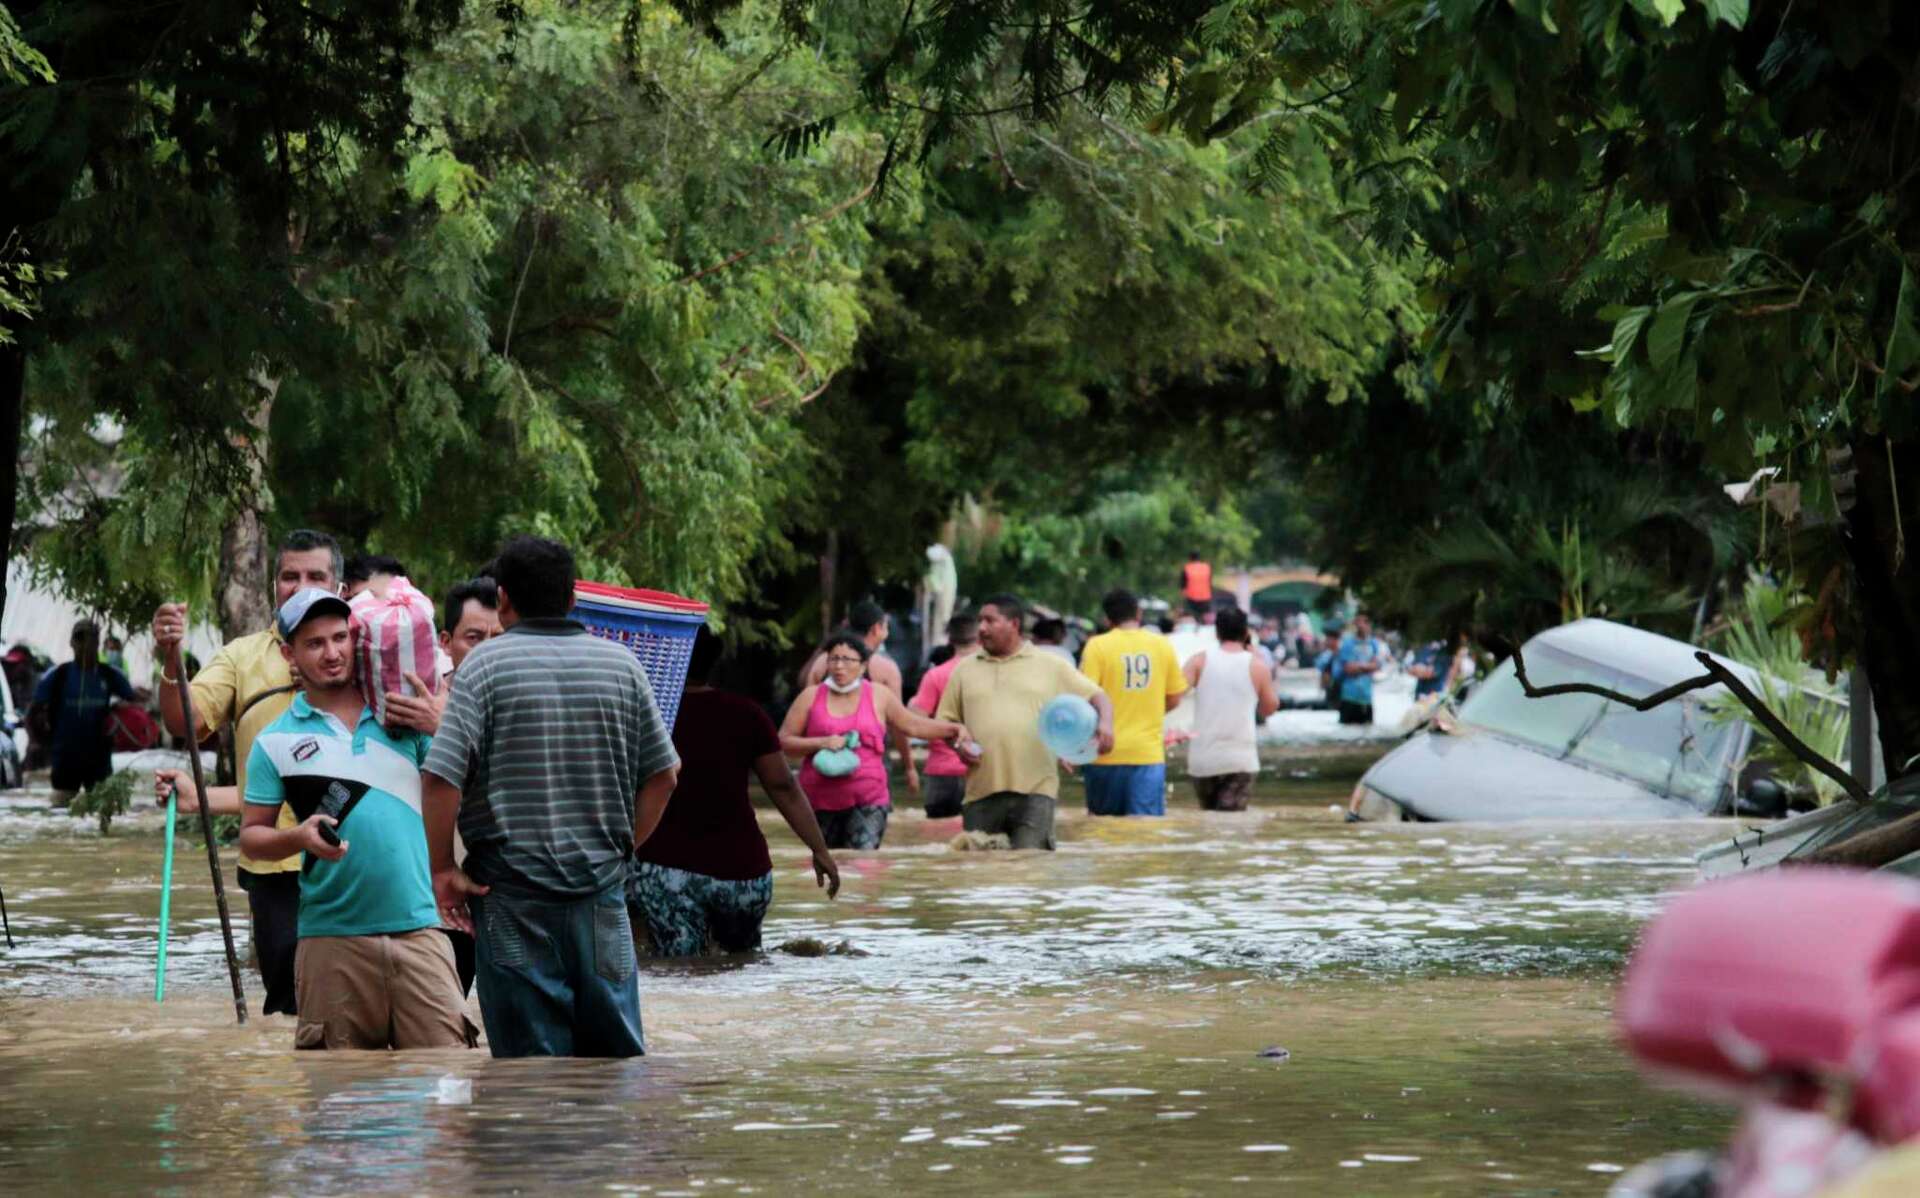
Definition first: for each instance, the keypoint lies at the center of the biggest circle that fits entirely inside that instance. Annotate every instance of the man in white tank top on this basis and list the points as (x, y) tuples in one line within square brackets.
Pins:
[(1232, 692)]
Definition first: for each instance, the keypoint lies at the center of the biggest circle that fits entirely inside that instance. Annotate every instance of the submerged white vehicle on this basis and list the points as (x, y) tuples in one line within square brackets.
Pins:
[(1505, 756)]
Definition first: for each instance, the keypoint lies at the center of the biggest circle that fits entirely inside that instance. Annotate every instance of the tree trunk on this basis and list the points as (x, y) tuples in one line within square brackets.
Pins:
[(829, 566), (1876, 485), (244, 590), (1880, 514), (13, 407)]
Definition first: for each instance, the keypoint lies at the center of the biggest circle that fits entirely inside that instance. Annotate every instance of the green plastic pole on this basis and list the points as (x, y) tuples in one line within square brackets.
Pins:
[(166, 903)]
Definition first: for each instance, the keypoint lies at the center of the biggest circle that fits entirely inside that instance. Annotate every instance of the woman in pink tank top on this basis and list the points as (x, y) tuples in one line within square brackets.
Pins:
[(846, 709)]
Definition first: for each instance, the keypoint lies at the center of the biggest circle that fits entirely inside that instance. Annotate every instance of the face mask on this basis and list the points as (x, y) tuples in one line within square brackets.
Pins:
[(837, 689)]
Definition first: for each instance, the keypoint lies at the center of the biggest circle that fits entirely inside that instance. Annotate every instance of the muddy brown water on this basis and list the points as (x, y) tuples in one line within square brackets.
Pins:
[(1085, 1022)]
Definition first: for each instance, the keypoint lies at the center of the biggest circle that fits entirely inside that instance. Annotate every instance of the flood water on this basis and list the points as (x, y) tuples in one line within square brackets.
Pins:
[(1085, 1022)]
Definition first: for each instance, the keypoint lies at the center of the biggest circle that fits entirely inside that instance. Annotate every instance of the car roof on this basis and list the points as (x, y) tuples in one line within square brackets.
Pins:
[(1658, 659)]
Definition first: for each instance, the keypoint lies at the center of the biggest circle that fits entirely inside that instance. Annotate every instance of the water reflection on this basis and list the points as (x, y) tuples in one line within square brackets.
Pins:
[(1073, 1023)]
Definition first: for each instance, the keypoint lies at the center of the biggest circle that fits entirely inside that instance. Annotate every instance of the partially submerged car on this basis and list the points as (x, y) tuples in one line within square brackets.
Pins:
[(1505, 756)]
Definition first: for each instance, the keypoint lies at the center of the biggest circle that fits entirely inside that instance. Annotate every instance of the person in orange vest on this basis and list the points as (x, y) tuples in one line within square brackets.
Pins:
[(1196, 584)]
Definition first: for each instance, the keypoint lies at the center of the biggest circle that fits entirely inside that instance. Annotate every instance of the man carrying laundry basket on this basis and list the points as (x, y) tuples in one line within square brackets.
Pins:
[(555, 738)]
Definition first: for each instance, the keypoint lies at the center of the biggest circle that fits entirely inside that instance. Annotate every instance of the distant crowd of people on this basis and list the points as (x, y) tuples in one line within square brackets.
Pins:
[(512, 824)]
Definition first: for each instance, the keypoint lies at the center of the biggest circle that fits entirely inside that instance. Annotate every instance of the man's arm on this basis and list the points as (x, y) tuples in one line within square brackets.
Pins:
[(439, 807), (1176, 677), (1263, 689), (448, 763), (262, 841), (651, 803), (221, 800), (882, 671), (213, 687), (1104, 706)]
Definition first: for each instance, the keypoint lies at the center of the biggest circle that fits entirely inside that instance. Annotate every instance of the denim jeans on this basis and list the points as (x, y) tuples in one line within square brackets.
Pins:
[(557, 975), (1126, 789)]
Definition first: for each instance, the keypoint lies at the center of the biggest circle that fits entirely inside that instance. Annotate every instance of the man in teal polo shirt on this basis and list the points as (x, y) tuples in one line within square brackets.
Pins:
[(372, 969)]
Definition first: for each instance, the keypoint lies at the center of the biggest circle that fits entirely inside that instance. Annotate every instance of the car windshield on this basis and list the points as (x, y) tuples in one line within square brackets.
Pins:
[(1678, 748)]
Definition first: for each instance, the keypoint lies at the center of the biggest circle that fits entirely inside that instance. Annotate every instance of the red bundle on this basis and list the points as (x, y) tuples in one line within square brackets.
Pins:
[(392, 637)]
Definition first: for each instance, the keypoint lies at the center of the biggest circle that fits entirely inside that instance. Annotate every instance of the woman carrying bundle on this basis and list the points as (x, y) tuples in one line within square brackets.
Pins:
[(840, 726)]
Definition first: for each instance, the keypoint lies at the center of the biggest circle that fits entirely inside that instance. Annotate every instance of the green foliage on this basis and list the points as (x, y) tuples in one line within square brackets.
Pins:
[(104, 800), (1762, 632), (1136, 538)]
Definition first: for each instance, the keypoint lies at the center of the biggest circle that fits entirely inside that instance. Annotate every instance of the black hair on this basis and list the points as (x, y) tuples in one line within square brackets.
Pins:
[(1230, 625), (1121, 605), (538, 575), (1009, 607), (940, 656), (481, 590), (305, 540), (706, 655), (362, 566), (963, 630), (848, 637), (1051, 630), (862, 616), (1165, 622)]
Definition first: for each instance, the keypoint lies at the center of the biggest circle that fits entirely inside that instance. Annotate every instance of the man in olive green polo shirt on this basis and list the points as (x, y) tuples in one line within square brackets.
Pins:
[(1013, 781), (247, 685)]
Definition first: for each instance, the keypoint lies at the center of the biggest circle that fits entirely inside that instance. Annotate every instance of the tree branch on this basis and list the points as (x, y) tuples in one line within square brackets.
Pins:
[(737, 255), (1715, 674)]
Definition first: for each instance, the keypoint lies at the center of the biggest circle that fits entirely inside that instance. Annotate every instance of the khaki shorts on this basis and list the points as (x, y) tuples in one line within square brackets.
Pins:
[(393, 991)]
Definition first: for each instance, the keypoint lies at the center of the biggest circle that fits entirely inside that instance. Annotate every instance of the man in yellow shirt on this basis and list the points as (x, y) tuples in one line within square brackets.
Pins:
[(1013, 779), (1140, 672), (247, 685)]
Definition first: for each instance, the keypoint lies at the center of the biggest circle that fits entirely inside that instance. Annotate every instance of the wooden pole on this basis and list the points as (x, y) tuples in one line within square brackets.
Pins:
[(3, 918), (206, 831)]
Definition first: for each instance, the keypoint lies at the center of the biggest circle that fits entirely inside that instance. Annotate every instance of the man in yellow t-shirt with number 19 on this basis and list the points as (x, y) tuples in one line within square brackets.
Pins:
[(1141, 674)]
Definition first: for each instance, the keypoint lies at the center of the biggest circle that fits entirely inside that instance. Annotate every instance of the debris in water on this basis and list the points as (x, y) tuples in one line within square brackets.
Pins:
[(1274, 1052), (979, 842), (809, 946)]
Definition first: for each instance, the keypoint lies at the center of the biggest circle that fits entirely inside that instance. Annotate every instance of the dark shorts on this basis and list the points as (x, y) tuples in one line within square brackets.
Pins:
[(557, 975), (1126, 789), (1356, 713), (853, 828), (1199, 607), (943, 795), (1025, 820), (1224, 792), (684, 912)]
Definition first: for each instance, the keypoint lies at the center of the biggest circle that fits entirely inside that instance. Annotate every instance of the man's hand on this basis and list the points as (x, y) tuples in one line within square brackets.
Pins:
[(1103, 738), (169, 627), (964, 748), (419, 711), (451, 890), (312, 842), (826, 872), (913, 779), (178, 784)]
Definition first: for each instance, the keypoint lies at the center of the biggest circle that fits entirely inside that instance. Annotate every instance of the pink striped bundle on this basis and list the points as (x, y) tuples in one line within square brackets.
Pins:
[(392, 637)]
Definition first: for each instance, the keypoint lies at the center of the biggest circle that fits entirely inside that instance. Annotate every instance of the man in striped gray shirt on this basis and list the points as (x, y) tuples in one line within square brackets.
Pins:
[(554, 739)]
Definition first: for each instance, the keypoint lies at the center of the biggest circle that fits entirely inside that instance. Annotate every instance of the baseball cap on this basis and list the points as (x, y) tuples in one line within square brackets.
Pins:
[(304, 605)]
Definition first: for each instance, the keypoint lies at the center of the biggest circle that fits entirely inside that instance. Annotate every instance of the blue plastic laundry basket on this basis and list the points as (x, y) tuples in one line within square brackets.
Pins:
[(658, 627)]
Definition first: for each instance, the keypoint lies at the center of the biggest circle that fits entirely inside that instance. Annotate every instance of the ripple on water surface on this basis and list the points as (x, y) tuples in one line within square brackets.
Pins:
[(1077, 1022)]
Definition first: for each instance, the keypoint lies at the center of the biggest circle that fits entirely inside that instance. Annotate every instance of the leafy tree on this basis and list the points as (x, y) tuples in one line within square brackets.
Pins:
[(169, 174), (1725, 187)]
